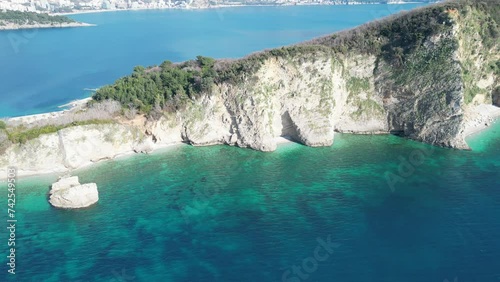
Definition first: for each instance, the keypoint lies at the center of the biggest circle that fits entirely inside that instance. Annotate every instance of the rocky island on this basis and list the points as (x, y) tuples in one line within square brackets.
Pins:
[(68, 193), (431, 75), (26, 20)]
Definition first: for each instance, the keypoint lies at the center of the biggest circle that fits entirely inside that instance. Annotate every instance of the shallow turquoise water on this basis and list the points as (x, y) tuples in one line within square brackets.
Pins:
[(227, 214), (42, 69)]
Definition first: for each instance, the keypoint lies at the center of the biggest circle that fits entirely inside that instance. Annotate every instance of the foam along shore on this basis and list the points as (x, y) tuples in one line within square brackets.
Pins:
[(73, 105), (11, 26), (478, 118), (76, 103)]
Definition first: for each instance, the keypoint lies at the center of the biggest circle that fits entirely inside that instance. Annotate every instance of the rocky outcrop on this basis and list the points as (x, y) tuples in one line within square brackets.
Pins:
[(308, 98), (281, 100), (70, 194), (427, 90), (74, 147), (422, 91)]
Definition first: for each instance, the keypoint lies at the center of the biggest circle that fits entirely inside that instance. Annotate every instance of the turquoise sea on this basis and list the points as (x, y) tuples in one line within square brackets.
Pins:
[(42, 69), (369, 208), (222, 213)]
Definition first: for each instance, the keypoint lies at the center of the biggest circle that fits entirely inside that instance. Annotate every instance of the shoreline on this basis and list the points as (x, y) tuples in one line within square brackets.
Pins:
[(76, 103), (476, 119), (157, 149)]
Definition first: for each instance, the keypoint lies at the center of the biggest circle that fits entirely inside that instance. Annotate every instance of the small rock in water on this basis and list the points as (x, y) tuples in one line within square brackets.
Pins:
[(68, 193)]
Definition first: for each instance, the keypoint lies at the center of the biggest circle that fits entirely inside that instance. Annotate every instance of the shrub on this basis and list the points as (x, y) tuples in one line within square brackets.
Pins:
[(162, 86)]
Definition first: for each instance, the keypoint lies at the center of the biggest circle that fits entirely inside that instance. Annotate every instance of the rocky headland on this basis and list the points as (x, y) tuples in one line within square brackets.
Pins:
[(12, 20), (431, 75), (13, 26)]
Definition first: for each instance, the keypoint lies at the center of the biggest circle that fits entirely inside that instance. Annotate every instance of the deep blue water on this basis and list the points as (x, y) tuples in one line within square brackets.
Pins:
[(42, 69), (222, 213)]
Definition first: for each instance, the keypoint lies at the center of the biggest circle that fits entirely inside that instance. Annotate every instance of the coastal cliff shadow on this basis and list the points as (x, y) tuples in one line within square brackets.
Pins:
[(288, 128), (399, 133)]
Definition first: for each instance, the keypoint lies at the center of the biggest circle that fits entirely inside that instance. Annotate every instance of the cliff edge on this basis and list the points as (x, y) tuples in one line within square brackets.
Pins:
[(419, 74)]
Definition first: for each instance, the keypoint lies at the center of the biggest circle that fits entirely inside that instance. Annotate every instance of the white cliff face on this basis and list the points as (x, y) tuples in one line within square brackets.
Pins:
[(70, 194), (306, 100), (284, 98), (167, 130), (362, 108), (72, 148), (40, 155), (309, 96), (91, 143)]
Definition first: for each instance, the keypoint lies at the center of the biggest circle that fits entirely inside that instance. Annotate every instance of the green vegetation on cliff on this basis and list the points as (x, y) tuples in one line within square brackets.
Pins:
[(17, 17), (398, 43), (168, 86), (478, 63)]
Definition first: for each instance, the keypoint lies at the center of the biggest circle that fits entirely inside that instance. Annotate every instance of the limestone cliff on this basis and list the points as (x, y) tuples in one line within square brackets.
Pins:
[(419, 87), (416, 74), (72, 147)]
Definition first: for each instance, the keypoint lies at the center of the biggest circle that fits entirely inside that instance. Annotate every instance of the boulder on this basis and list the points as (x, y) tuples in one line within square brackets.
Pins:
[(69, 193), (64, 183)]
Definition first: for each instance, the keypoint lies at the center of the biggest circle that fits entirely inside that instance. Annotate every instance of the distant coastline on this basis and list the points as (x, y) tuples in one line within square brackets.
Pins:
[(77, 12), (51, 25), (13, 26)]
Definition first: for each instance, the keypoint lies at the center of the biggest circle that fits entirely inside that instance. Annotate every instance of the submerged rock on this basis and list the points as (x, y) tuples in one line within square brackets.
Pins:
[(69, 193)]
